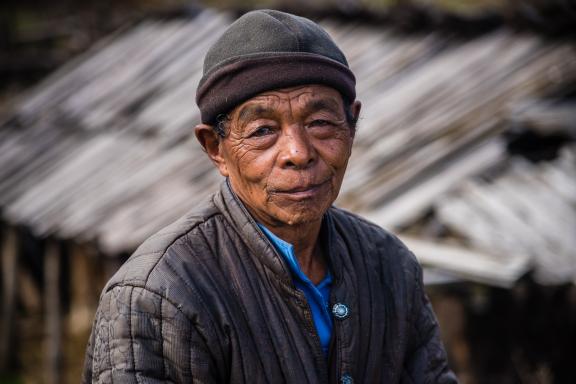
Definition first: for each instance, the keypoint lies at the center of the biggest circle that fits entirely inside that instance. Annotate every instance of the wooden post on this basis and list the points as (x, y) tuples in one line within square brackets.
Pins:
[(53, 336), (82, 305), (452, 317), (9, 272)]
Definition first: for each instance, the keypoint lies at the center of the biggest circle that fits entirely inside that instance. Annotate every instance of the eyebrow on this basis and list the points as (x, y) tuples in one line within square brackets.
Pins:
[(322, 104), (250, 112)]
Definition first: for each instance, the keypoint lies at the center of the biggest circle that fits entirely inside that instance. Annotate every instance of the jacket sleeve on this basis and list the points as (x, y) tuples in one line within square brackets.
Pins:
[(140, 337), (426, 362)]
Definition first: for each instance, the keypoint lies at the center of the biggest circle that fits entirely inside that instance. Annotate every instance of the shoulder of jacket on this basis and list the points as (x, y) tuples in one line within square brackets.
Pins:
[(137, 269)]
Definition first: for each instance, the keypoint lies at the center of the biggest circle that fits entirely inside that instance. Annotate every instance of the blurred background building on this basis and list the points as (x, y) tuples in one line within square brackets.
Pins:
[(465, 149)]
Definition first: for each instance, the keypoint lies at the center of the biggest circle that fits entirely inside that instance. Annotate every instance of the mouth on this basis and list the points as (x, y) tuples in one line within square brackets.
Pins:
[(302, 192)]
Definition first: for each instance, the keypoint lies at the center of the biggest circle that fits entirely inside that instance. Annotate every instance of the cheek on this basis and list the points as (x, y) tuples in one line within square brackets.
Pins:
[(336, 152), (249, 167)]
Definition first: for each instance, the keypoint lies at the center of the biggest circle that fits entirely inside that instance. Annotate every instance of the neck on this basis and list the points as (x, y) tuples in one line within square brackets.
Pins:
[(304, 239)]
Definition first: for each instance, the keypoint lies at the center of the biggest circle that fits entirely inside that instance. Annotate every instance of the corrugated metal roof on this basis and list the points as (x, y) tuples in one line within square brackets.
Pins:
[(104, 149)]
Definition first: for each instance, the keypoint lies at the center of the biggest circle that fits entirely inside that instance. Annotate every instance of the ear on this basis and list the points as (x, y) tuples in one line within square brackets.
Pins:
[(212, 144), (356, 107)]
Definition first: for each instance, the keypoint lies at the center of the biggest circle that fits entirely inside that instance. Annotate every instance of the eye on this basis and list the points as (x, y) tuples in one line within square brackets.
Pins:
[(263, 130), (319, 123)]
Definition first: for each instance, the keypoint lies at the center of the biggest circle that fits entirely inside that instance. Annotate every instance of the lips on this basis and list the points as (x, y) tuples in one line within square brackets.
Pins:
[(301, 192)]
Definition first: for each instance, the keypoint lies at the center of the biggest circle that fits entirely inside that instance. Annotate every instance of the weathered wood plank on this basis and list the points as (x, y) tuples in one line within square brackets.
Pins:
[(469, 264)]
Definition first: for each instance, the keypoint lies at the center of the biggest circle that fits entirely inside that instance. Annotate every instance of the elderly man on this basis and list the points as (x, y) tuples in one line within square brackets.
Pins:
[(268, 282)]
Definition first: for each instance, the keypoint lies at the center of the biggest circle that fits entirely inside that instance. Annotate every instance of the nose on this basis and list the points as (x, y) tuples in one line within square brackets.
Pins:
[(296, 149)]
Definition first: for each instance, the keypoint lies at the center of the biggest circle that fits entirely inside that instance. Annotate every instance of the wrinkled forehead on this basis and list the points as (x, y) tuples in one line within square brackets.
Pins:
[(307, 98)]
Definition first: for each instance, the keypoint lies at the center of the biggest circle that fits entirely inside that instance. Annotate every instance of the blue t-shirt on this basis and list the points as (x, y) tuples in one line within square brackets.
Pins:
[(318, 296)]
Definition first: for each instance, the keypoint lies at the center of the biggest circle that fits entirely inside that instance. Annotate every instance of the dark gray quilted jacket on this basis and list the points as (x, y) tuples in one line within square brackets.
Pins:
[(209, 300)]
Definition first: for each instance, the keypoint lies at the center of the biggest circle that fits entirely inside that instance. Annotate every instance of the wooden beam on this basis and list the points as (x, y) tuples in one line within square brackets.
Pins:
[(469, 264), (9, 272), (83, 303), (53, 335)]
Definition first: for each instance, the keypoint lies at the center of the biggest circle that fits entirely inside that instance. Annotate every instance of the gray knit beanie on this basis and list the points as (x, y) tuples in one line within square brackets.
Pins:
[(265, 50)]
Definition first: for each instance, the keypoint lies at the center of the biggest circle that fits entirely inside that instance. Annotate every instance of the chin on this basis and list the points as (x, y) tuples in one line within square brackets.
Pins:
[(301, 215)]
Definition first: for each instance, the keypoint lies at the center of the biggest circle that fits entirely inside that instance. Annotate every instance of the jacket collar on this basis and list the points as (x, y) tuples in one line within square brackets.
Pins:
[(236, 213)]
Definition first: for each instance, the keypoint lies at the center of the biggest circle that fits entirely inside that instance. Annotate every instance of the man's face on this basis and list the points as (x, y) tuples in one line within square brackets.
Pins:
[(286, 152)]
